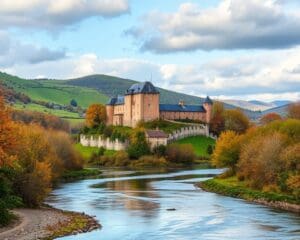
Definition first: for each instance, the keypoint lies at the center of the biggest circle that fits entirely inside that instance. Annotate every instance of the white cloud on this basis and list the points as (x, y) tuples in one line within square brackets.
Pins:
[(233, 24), (265, 75), (14, 51), (53, 14)]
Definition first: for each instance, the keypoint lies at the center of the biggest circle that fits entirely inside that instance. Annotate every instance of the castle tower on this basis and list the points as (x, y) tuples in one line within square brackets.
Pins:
[(141, 104), (208, 103)]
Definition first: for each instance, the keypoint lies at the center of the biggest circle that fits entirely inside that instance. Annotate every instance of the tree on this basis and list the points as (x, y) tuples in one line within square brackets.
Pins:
[(270, 117), (236, 120), (227, 150), (95, 115), (138, 144), (7, 135), (260, 162), (73, 103), (294, 110), (217, 122)]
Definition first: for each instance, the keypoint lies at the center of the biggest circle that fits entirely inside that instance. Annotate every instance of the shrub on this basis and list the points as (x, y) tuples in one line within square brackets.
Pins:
[(160, 150), (209, 149), (138, 144), (180, 153), (149, 161)]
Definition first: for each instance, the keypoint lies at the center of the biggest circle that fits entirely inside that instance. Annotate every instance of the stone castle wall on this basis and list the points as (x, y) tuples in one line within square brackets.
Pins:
[(117, 145), (197, 130), (100, 141)]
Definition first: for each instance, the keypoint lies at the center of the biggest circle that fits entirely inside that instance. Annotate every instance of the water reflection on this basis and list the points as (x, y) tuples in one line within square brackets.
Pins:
[(133, 205)]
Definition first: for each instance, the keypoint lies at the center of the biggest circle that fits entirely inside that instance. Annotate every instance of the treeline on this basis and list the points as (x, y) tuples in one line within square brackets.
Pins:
[(33, 155), (265, 157)]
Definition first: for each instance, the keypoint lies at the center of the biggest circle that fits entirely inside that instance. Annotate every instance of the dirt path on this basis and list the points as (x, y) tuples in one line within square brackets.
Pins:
[(33, 224)]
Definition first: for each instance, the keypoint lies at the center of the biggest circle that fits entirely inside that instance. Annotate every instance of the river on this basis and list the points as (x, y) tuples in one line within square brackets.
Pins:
[(160, 206)]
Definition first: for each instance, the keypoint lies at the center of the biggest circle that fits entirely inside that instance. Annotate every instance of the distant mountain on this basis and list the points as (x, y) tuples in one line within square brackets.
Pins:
[(280, 103), (250, 105), (261, 103), (281, 110)]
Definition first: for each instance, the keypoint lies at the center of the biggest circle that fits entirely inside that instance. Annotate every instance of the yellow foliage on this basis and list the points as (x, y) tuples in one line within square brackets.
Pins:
[(226, 153)]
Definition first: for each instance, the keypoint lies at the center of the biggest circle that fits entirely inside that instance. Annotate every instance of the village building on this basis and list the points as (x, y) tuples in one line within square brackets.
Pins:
[(141, 103), (156, 138)]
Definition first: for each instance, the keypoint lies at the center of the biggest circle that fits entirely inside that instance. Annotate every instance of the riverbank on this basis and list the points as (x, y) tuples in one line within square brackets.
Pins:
[(233, 188), (47, 223)]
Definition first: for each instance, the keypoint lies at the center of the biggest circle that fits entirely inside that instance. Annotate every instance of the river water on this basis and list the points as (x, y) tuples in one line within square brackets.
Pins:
[(139, 205)]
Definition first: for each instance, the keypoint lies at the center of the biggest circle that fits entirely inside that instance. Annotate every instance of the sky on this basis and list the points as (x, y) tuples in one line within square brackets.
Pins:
[(227, 49)]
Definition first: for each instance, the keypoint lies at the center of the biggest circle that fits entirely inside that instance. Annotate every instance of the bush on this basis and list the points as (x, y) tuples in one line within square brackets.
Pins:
[(180, 153), (160, 150), (8, 199), (138, 145), (149, 161), (209, 149)]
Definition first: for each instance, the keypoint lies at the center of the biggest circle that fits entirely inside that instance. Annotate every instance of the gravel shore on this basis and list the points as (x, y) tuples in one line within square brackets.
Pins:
[(40, 223)]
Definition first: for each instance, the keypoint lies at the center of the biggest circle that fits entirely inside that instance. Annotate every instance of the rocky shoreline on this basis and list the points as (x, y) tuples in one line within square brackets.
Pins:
[(47, 223)]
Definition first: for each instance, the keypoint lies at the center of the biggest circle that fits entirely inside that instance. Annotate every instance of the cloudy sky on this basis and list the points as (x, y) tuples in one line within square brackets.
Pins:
[(223, 48)]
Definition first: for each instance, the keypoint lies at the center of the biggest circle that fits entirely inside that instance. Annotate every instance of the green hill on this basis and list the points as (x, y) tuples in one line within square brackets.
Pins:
[(85, 90), (112, 86)]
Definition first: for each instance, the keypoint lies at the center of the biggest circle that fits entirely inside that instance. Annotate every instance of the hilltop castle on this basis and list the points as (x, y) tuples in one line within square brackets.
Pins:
[(141, 103)]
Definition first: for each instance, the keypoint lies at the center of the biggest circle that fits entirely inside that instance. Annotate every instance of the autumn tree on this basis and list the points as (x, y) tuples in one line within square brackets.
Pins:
[(294, 110), (217, 122), (270, 117), (260, 162), (7, 135), (227, 150), (236, 120), (95, 115)]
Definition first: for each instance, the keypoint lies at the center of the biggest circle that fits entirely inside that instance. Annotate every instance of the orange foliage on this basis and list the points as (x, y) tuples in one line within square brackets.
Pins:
[(7, 135), (260, 161), (95, 115), (270, 117)]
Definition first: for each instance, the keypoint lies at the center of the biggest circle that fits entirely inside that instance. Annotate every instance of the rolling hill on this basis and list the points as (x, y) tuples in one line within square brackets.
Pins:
[(87, 90)]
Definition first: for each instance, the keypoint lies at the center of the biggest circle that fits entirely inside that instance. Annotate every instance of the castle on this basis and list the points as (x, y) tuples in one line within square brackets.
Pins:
[(141, 103)]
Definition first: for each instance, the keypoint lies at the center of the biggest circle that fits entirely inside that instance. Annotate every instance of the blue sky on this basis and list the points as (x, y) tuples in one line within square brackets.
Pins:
[(226, 49)]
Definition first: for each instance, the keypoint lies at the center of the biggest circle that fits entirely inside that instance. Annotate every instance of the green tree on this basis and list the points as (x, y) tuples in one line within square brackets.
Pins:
[(138, 144), (73, 103)]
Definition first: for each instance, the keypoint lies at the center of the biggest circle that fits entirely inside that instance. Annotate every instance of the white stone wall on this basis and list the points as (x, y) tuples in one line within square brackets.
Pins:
[(100, 141), (197, 130)]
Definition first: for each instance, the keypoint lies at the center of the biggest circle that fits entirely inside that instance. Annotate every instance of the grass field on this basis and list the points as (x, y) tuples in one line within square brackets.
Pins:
[(54, 91), (87, 152), (200, 144)]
